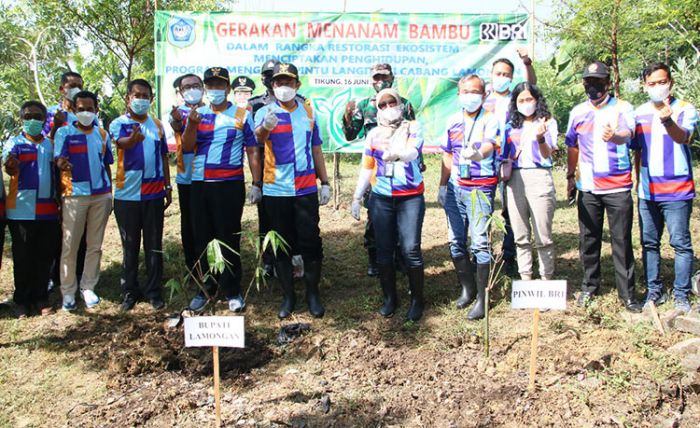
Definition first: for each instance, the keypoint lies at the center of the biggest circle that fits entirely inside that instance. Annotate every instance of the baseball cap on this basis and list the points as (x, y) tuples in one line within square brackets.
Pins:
[(596, 69), (216, 73), (381, 69), (285, 69), (268, 66), (243, 83)]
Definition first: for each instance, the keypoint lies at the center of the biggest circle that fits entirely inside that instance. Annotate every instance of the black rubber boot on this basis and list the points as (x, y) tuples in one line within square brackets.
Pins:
[(482, 280), (283, 269), (372, 269), (465, 275), (415, 282), (387, 279), (312, 277)]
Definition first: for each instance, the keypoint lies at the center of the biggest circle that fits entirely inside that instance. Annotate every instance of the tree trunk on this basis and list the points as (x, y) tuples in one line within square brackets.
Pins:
[(613, 48)]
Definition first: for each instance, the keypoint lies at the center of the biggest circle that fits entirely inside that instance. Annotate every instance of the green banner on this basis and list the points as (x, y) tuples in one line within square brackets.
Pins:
[(334, 54)]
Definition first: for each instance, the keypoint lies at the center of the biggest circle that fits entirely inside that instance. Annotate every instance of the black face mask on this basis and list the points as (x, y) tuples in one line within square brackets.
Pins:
[(595, 90)]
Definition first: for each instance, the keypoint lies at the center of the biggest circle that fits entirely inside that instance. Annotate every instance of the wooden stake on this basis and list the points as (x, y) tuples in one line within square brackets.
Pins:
[(533, 348), (217, 391), (655, 318), (336, 180)]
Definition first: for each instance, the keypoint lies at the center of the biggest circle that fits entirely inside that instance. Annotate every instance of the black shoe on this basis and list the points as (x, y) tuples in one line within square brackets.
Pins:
[(268, 270), (584, 298), (465, 275), (415, 282), (632, 306), (482, 280), (283, 269), (312, 277), (128, 303), (157, 303), (387, 280)]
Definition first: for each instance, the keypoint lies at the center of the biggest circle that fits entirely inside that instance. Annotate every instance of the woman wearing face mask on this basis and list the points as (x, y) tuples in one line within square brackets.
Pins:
[(390, 163), (529, 141), (469, 166), (32, 210)]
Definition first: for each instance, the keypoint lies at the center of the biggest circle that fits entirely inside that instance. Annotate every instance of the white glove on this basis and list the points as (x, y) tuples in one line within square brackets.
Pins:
[(325, 194), (470, 153), (408, 155), (389, 156), (270, 120), (355, 209), (255, 195), (442, 195)]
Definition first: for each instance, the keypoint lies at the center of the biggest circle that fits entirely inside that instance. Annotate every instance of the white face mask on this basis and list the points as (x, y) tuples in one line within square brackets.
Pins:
[(471, 102), (86, 118), (659, 93), (285, 93), (72, 92), (390, 115), (527, 109), (192, 96), (501, 83)]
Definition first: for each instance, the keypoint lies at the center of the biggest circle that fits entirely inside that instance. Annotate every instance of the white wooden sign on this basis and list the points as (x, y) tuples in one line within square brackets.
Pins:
[(227, 332), (539, 294)]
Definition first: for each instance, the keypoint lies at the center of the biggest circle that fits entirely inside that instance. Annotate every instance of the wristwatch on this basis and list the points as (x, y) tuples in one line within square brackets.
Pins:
[(258, 183)]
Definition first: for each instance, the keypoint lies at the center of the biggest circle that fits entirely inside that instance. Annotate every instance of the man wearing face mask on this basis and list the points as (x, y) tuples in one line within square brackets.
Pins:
[(191, 89), (665, 186), (469, 165), (142, 193), (358, 120), (220, 131), (31, 208), (599, 167), (294, 161), (498, 102), (83, 154), (243, 88)]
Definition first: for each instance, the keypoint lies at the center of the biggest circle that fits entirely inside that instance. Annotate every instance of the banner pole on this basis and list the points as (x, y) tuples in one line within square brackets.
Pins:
[(217, 391), (532, 29)]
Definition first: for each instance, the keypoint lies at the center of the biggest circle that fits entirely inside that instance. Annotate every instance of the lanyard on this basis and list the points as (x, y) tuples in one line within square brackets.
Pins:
[(476, 118)]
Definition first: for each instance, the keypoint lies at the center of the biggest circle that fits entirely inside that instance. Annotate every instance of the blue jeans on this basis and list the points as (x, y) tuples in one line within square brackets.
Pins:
[(676, 215), (402, 216), (463, 216)]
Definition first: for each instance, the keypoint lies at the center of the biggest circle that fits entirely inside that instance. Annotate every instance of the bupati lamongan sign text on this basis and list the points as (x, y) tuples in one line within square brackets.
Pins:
[(334, 54)]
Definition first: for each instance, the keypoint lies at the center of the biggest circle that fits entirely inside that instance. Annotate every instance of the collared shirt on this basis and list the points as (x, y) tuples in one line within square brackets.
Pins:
[(51, 112), (405, 177), (666, 172), (289, 168), (483, 127), (522, 146), (221, 137), (139, 169), (364, 119), (32, 192), (184, 158), (89, 153), (603, 166)]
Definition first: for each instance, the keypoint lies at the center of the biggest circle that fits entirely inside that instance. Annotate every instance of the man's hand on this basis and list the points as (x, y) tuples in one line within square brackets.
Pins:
[(168, 197), (349, 110), (64, 164), (325, 196), (471, 154), (522, 52), (270, 120), (355, 209), (442, 195), (389, 156), (194, 117), (59, 119), (255, 195), (176, 119), (665, 111), (608, 132), (11, 165), (133, 139), (570, 185)]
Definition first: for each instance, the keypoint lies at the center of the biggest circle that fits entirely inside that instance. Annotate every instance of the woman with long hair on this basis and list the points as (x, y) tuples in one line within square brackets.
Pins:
[(529, 141)]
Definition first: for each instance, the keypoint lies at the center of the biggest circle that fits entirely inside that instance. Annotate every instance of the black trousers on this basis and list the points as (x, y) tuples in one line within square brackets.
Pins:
[(135, 218), (186, 228), (2, 239), (296, 218), (217, 208), (33, 246), (591, 209)]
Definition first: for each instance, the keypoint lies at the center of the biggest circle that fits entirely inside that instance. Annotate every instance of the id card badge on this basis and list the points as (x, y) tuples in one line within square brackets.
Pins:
[(389, 169), (464, 171)]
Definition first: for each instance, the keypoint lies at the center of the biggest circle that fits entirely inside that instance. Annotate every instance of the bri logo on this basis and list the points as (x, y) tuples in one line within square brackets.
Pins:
[(181, 31)]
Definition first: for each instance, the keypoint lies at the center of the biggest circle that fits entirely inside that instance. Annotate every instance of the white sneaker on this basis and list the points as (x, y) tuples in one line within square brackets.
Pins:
[(91, 299), (236, 304), (68, 303)]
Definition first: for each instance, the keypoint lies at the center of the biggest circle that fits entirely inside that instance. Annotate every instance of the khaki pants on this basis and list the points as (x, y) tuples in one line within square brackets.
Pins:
[(77, 211), (531, 199)]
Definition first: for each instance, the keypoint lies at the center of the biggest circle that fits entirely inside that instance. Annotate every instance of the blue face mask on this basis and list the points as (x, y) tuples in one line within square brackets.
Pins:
[(140, 106), (32, 127), (501, 83), (216, 96), (470, 102)]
